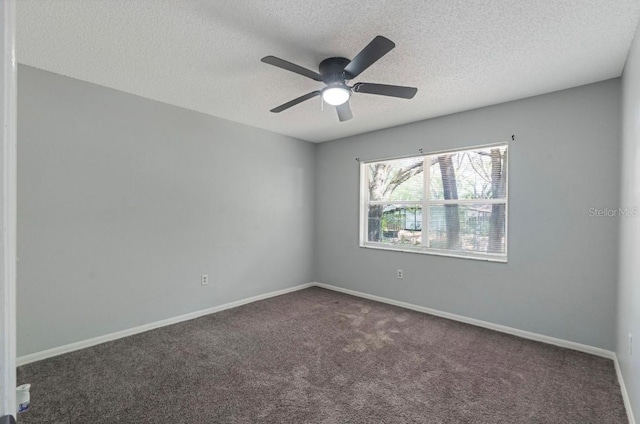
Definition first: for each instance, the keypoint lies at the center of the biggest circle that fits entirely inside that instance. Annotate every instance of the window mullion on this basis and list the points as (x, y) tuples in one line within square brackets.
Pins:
[(364, 203), (426, 171)]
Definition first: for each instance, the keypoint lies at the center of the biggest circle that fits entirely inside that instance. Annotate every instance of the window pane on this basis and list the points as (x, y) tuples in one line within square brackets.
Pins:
[(471, 174), (464, 193), (395, 224), (399, 179), (478, 227)]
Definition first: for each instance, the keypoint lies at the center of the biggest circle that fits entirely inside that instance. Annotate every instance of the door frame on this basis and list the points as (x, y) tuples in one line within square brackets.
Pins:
[(8, 250)]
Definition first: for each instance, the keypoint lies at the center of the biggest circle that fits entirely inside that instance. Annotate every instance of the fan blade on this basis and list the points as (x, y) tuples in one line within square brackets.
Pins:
[(295, 101), (292, 67), (368, 56), (344, 111), (385, 90)]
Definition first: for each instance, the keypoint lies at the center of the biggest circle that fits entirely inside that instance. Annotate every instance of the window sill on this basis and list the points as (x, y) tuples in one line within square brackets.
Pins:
[(435, 252)]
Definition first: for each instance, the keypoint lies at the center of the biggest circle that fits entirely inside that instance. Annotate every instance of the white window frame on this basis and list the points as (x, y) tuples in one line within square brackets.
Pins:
[(425, 203)]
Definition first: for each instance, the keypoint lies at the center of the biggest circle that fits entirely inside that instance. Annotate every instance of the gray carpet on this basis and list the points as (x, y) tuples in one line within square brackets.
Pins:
[(316, 356)]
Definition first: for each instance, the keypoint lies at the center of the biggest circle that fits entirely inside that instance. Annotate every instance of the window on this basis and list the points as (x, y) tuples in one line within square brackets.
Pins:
[(447, 203)]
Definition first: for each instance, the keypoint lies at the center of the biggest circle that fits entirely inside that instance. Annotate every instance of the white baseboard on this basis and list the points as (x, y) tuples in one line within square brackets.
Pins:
[(623, 389), (503, 329), (26, 359), (38, 356), (479, 323)]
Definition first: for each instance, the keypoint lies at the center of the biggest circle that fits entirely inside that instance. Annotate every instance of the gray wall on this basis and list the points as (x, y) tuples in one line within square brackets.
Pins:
[(629, 275), (560, 280), (123, 202)]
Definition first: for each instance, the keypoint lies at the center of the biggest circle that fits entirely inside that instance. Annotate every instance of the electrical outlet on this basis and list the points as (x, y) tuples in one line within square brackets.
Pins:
[(204, 279), (630, 344), (400, 274)]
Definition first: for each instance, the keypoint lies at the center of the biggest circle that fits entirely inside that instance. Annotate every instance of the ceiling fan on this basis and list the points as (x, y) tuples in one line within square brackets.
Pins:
[(334, 72)]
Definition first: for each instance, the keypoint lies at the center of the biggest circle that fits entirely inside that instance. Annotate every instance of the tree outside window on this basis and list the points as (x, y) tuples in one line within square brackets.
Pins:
[(457, 207)]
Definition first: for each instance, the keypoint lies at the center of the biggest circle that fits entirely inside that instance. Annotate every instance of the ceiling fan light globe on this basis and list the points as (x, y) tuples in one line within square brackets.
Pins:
[(335, 96)]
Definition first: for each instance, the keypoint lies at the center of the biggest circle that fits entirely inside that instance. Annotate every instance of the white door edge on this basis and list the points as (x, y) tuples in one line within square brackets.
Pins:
[(8, 214)]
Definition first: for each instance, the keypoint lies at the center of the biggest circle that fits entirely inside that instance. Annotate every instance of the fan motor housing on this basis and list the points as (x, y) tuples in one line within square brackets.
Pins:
[(332, 70)]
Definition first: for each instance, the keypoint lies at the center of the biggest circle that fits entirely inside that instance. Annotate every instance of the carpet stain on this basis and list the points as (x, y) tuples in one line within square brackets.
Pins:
[(299, 392), (356, 320), (365, 309), (381, 323), (339, 380), (357, 345), (376, 340), (454, 365), (266, 410), (331, 414), (300, 372)]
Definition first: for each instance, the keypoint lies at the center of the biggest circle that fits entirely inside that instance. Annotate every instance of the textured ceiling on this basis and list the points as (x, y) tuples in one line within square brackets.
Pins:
[(205, 55)]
